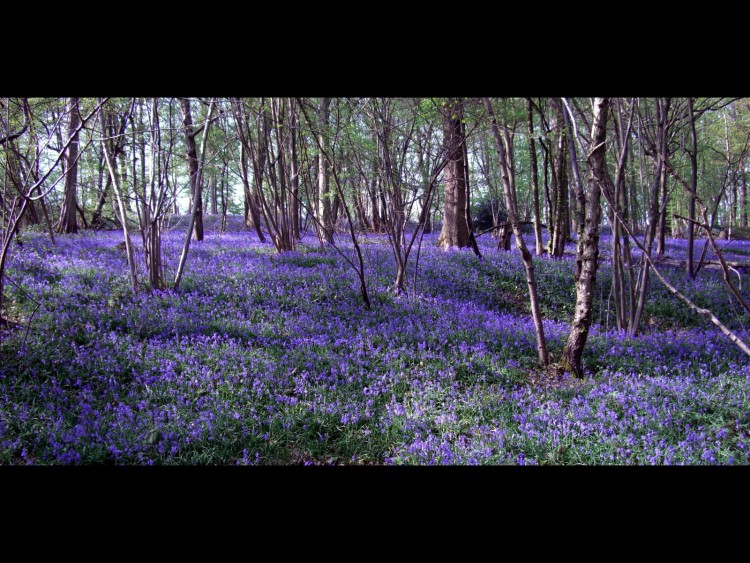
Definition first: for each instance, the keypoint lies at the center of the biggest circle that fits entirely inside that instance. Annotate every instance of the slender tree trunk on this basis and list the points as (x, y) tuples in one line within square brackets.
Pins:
[(362, 221), (175, 204), (122, 207), (694, 185), (196, 192), (589, 249), (15, 172), (284, 235), (534, 180), (455, 231), (335, 210), (467, 207), (294, 206), (662, 224), (324, 196), (224, 199), (68, 211), (96, 218), (374, 185), (578, 197), (252, 213), (742, 180), (428, 221), (662, 108), (196, 201), (732, 179), (213, 187), (621, 258), (509, 190), (115, 144), (559, 220)]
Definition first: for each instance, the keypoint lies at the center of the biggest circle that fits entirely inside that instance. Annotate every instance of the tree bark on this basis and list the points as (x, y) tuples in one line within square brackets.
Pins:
[(196, 192), (455, 231), (559, 211), (694, 184), (539, 245), (213, 187), (67, 222), (572, 358), (660, 150), (661, 228), (294, 206), (112, 166), (195, 203), (742, 205), (375, 210), (511, 205), (252, 213), (324, 195)]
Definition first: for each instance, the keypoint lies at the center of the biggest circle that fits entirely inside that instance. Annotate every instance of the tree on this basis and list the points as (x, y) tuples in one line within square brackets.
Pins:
[(294, 195), (196, 180), (323, 206), (248, 151), (503, 146), (559, 207), (68, 222), (623, 289), (534, 179), (455, 232), (588, 248), (657, 149)]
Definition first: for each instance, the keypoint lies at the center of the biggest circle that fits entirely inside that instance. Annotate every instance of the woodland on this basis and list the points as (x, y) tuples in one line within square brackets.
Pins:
[(374, 281)]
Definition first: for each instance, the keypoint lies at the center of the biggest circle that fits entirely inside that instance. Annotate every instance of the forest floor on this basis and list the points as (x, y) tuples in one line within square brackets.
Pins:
[(271, 359)]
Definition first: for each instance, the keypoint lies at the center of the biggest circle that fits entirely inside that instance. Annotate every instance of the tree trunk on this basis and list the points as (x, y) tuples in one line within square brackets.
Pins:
[(534, 180), (68, 211), (122, 208), (324, 196), (213, 187), (196, 192), (375, 210), (252, 213), (285, 240), (196, 201), (224, 201), (742, 203), (455, 231), (115, 143), (732, 179), (662, 109), (578, 197), (467, 206), (509, 191), (428, 222), (621, 257), (559, 219), (589, 248), (662, 224), (362, 222), (694, 185), (96, 218), (294, 206)]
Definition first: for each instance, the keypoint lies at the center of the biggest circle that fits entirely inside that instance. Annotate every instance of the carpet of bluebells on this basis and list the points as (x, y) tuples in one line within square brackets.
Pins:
[(262, 358)]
